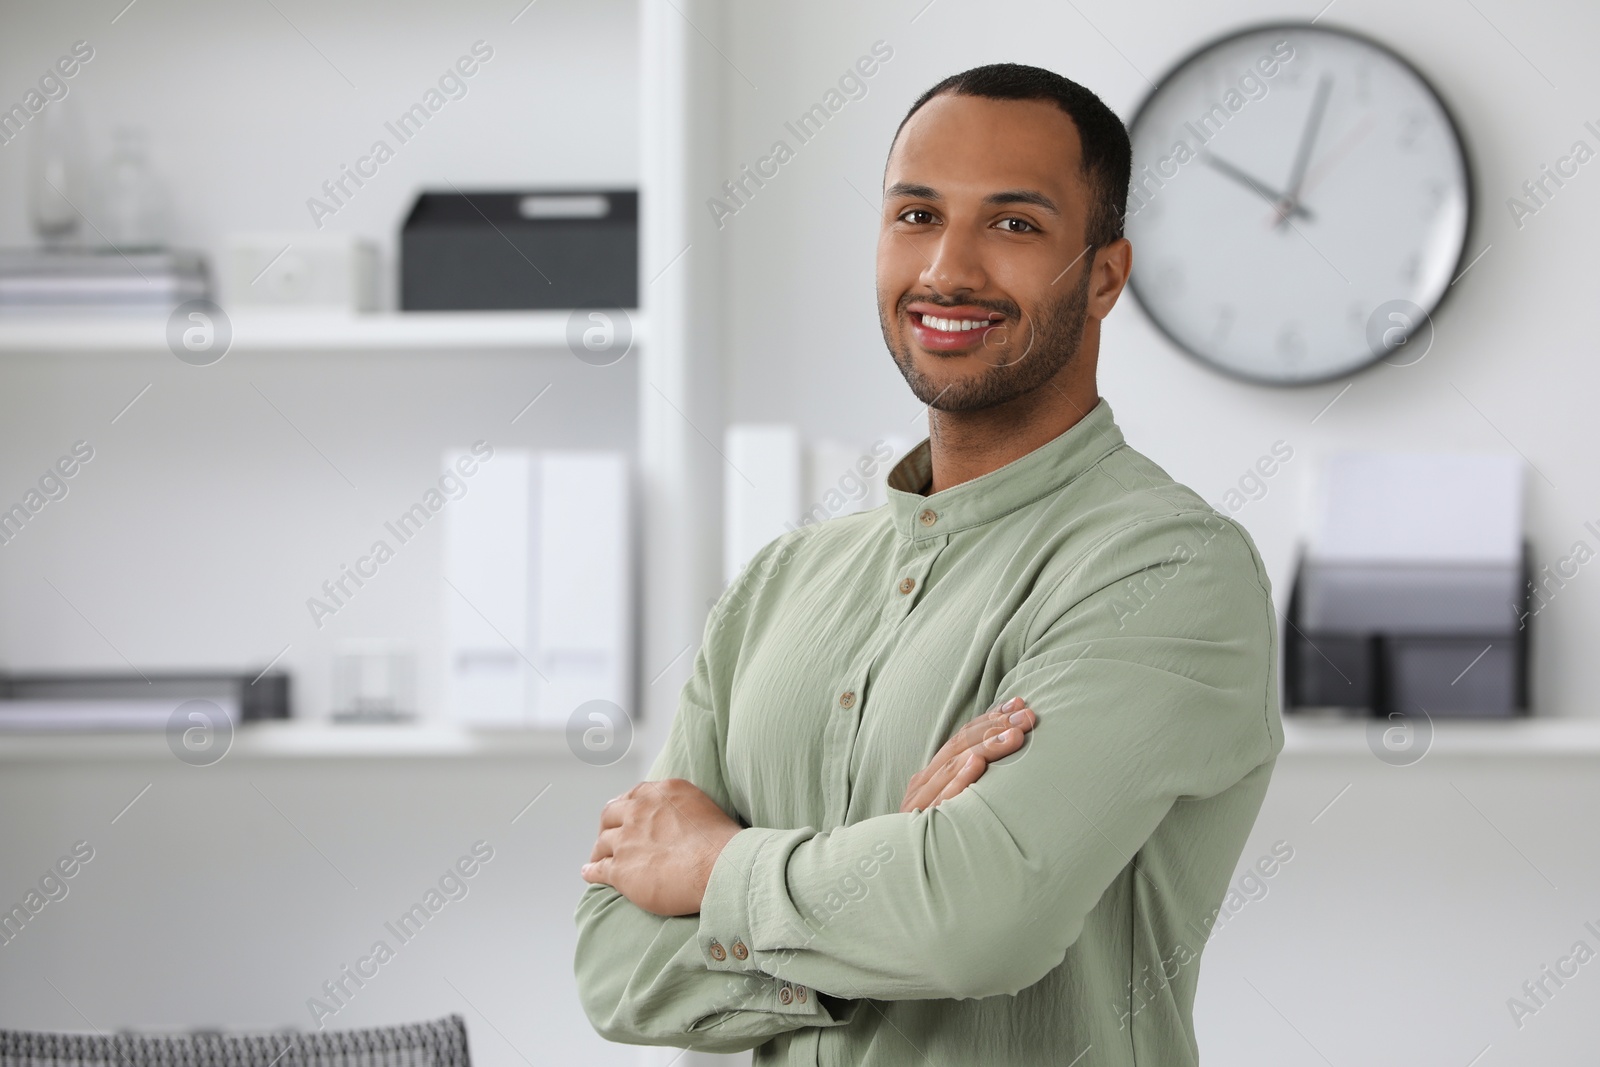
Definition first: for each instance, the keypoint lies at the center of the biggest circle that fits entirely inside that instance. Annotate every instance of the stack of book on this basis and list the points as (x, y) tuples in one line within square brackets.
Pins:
[(73, 280)]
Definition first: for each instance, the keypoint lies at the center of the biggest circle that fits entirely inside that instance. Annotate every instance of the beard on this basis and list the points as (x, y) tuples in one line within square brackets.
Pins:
[(1013, 368)]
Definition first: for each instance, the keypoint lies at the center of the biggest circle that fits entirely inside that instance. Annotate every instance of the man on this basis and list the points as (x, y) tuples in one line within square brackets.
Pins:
[(825, 864)]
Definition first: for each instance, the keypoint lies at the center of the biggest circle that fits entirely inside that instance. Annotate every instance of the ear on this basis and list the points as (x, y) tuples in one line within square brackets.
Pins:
[(1108, 276)]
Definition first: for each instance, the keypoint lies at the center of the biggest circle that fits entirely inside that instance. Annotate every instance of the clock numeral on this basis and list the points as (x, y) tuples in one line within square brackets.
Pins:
[(1224, 324), (1436, 195), (1413, 125), (1291, 344)]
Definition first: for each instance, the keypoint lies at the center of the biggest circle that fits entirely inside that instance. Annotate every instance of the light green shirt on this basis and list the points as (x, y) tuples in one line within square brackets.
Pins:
[(1058, 905)]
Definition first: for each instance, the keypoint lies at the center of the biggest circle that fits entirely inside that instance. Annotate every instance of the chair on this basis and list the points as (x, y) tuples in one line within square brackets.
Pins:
[(438, 1043)]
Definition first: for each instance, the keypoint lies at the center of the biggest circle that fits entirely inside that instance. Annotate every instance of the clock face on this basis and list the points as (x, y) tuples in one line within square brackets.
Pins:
[(1299, 204)]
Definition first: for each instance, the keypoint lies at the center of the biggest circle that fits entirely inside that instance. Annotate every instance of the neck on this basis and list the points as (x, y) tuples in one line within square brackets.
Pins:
[(969, 444)]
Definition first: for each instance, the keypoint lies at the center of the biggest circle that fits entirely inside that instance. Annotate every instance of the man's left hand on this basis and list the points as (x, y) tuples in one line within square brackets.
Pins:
[(658, 843)]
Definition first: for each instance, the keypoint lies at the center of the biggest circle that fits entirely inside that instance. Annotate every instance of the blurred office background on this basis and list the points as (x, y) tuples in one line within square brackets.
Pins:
[(1421, 895)]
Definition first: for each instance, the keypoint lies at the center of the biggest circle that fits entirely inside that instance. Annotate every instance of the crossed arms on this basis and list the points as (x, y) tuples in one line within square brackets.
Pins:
[(659, 841), (981, 882)]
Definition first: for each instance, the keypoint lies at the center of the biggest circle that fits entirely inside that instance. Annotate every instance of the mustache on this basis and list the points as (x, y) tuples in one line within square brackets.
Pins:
[(1004, 307)]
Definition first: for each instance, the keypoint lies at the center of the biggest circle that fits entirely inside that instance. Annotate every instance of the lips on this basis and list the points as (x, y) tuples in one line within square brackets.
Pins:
[(951, 329)]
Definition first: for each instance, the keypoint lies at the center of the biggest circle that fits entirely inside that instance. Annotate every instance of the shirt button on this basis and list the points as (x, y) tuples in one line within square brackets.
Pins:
[(907, 584), (718, 953), (785, 994), (928, 518), (739, 951), (800, 993), (847, 699)]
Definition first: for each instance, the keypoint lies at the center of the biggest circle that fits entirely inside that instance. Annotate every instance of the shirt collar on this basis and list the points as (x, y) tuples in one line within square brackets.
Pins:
[(985, 498)]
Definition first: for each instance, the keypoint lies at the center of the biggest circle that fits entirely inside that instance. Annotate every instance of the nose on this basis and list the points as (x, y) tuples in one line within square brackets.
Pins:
[(954, 264)]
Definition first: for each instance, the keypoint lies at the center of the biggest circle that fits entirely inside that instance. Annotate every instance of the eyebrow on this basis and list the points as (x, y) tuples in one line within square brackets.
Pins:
[(1007, 196)]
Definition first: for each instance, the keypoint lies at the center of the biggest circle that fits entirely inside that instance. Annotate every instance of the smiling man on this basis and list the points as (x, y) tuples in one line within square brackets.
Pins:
[(834, 860)]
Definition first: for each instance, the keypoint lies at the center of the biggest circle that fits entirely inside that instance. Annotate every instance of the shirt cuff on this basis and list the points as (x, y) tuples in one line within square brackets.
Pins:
[(728, 922), (760, 992), (725, 933)]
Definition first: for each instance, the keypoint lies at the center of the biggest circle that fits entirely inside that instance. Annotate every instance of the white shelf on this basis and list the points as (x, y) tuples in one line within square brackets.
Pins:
[(317, 740), (289, 739), (295, 332), (1451, 737)]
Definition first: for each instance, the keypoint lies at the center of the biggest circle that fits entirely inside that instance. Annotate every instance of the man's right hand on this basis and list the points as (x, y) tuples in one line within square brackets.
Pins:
[(963, 759)]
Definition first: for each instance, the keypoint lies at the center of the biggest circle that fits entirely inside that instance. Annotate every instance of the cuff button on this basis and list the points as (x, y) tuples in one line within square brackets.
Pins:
[(739, 951), (718, 953), (785, 994), (800, 993)]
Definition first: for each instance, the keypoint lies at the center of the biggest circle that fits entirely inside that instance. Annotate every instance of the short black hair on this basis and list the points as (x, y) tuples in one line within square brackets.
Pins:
[(1107, 152)]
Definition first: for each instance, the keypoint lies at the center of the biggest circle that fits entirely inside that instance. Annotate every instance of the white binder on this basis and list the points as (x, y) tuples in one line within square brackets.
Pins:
[(538, 568)]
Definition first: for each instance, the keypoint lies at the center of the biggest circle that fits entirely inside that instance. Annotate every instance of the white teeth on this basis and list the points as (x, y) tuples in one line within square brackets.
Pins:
[(954, 325)]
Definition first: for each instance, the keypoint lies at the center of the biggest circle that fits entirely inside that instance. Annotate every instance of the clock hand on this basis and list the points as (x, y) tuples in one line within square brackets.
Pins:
[(1315, 174), (1266, 192), (1308, 136)]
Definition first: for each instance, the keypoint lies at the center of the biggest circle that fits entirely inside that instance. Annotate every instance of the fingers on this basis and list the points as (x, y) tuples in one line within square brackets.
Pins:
[(925, 785), (612, 813), (976, 736), (961, 741), (973, 734), (611, 819), (604, 845), (948, 778), (927, 791), (962, 759), (970, 772), (1012, 713)]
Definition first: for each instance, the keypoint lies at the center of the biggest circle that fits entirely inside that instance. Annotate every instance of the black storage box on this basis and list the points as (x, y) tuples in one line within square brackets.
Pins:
[(1468, 673), (536, 249), (258, 696)]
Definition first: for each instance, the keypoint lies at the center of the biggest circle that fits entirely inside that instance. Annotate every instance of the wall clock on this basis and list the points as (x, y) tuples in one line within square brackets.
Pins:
[(1299, 205)]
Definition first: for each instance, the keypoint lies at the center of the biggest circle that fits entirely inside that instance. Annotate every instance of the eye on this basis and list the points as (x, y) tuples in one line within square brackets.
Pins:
[(917, 216), (1016, 225)]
